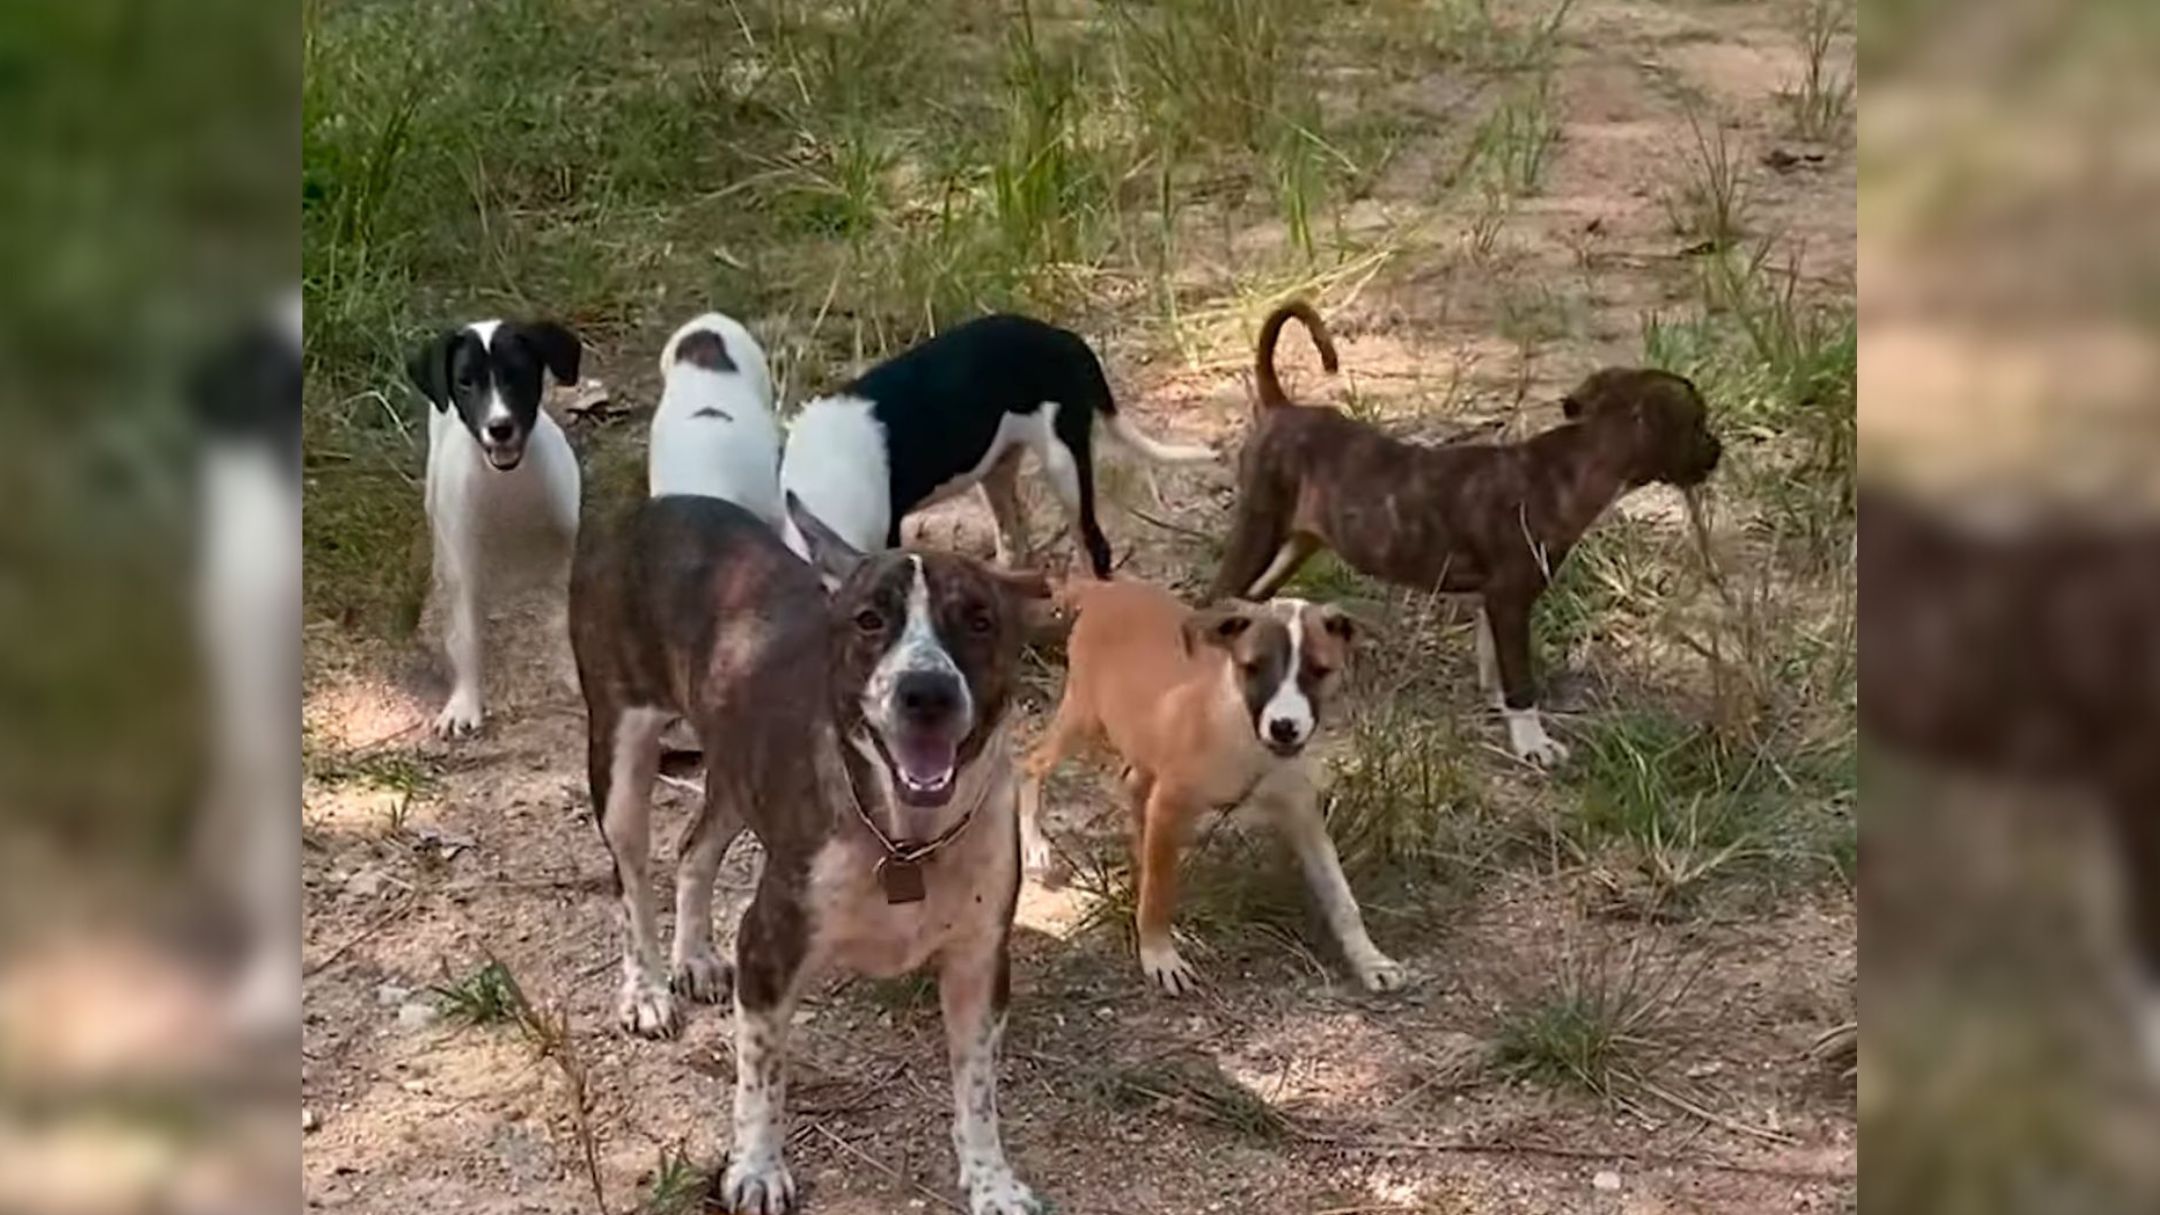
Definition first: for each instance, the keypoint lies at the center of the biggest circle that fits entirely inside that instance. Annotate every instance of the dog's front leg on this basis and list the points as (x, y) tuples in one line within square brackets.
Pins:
[(1294, 802), (1507, 612), (769, 964), (457, 576), (1162, 827), (973, 987)]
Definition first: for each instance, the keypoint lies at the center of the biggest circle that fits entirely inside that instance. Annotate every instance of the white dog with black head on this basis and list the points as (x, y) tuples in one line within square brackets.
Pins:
[(500, 472)]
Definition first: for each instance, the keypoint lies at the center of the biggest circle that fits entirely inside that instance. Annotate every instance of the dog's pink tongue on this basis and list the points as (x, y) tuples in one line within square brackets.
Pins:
[(926, 763)]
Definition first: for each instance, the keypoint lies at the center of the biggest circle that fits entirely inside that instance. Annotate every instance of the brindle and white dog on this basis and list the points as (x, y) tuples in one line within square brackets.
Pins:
[(861, 736)]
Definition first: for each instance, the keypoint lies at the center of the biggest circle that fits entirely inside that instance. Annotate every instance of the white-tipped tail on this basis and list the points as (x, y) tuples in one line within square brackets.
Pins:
[(1125, 432)]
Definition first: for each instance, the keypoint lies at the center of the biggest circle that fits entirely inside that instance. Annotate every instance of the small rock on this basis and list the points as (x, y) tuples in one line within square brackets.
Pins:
[(419, 1014), (390, 995), (1607, 1181), (368, 883), (309, 1122)]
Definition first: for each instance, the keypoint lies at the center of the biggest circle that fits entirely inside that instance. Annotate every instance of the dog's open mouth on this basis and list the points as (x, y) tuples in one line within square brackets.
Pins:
[(1284, 749), (922, 766), (503, 459)]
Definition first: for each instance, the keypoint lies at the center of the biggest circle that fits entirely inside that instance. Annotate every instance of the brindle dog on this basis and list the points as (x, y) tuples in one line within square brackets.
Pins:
[(1494, 520), (861, 737)]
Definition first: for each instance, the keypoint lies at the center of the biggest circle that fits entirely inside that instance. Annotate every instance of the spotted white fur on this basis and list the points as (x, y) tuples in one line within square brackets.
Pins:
[(714, 434)]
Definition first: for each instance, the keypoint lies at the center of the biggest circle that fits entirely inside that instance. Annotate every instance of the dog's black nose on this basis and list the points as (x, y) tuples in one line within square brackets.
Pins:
[(927, 697), (502, 430), (1282, 730)]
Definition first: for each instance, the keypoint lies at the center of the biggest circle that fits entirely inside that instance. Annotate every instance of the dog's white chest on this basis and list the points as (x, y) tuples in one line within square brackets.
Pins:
[(964, 898)]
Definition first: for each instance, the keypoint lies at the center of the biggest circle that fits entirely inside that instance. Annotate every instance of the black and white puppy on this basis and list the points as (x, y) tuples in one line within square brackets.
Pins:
[(957, 411), (499, 470), (246, 401)]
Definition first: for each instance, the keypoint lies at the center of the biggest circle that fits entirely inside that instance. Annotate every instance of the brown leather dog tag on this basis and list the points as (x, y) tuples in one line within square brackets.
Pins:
[(902, 880)]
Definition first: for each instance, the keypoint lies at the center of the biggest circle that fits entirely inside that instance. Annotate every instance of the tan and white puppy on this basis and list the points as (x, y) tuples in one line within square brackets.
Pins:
[(1209, 709)]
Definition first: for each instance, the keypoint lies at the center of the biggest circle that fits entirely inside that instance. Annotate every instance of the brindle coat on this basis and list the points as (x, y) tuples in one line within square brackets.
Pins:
[(693, 607), (1495, 520), (2033, 656)]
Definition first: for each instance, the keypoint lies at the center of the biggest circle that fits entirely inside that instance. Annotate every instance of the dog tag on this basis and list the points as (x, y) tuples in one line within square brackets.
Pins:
[(902, 880)]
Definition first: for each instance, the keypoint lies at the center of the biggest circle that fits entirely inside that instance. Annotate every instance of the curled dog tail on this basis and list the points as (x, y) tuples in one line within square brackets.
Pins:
[(1271, 393)]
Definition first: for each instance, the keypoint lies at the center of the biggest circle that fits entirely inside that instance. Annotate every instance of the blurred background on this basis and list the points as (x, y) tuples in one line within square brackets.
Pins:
[(146, 223), (2011, 395)]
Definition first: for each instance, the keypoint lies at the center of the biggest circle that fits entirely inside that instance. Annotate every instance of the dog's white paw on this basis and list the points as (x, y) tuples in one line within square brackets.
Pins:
[(1035, 854), (757, 1185), (702, 977), (646, 1009), (461, 716), (995, 1191), (1529, 741), (1168, 970), (1382, 973)]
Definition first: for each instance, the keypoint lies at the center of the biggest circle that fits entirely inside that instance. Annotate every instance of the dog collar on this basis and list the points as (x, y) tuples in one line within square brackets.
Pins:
[(899, 871)]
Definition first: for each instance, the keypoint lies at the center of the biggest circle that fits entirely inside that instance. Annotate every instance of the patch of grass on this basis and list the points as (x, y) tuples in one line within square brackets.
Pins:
[(1821, 102), (1711, 205), (1600, 1025), (1191, 1089), (487, 996), (1780, 368), (398, 773), (677, 1186), (1475, 34), (1688, 808), (1208, 71), (1512, 147), (1405, 808)]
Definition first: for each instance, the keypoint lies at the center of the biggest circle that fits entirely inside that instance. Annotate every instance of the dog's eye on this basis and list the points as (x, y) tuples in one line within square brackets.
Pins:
[(980, 622), (869, 621), (1320, 672)]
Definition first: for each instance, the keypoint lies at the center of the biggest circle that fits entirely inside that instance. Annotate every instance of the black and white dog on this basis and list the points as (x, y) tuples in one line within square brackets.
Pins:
[(246, 401), (961, 410), (714, 434), (499, 471)]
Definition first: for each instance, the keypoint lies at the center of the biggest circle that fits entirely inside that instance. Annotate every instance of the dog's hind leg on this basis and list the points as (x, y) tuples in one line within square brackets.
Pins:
[(1068, 462), (1001, 492), (973, 987), (695, 969), (631, 758), (1294, 803)]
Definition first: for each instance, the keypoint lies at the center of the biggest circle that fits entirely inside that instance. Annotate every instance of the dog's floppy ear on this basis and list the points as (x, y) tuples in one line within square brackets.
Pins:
[(834, 557), (1217, 626), (558, 347), (1346, 626), (429, 368)]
